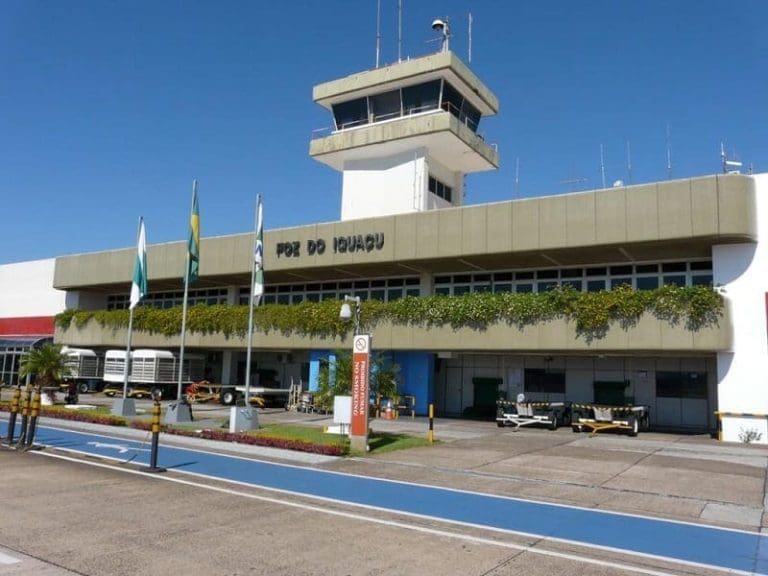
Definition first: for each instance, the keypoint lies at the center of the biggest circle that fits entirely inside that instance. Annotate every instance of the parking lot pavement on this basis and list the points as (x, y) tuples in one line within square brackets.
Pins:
[(685, 477)]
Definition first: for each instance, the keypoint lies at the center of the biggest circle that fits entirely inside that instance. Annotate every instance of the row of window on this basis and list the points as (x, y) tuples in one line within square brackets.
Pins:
[(171, 299), (589, 279), (690, 385), (647, 276), (433, 95), (439, 189), (385, 290)]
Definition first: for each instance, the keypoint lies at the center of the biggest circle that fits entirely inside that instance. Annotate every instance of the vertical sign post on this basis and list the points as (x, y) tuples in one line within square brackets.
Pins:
[(361, 351)]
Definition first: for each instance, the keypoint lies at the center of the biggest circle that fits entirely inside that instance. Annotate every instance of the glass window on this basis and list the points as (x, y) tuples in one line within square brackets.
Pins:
[(460, 290), (377, 295), (385, 106), (502, 276), (413, 292), (544, 381), (352, 113), (524, 288), (647, 268), (524, 276), (621, 270), (595, 285), (676, 280), (546, 286), (502, 287), (394, 294), (452, 100), (421, 97), (673, 267), (705, 265), (572, 273), (598, 271), (681, 384), (648, 283), (616, 282), (702, 280), (546, 274), (443, 291), (575, 284)]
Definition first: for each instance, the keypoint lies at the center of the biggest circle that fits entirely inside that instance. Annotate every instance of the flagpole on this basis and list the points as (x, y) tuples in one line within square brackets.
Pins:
[(184, 305), (250, 308), (124, 407)]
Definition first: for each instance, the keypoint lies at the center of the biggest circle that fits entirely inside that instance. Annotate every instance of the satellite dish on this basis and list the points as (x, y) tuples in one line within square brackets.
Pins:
[(618, 183), (438, 25), (520, 398)]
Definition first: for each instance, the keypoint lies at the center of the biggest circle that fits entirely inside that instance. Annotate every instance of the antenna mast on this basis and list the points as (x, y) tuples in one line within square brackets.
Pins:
[(469, 55), (378, 31), (517, 176), (602, 165), (629, 164), (730, 166), (399, 30), (669, 156)]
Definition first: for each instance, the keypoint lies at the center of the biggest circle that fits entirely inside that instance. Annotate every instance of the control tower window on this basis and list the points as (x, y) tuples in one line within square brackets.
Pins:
[(350, 114), (421, 97), (457, 105), (385, 106)]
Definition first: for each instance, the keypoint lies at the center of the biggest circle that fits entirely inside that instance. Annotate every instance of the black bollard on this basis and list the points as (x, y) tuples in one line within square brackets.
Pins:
[(25, 406), (153, 467), (15, 401), (33, 414)]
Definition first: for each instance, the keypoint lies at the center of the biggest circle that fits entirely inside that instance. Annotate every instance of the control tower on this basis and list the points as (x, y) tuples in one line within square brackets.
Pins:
[(405, 135)]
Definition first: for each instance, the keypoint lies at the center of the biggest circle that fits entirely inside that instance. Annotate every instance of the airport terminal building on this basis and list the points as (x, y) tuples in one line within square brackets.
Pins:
[(404, 137)]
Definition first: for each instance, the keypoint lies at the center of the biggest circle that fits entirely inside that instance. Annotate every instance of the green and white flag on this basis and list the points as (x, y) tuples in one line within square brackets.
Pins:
[(193, 245), (139, 285), (258, 255)]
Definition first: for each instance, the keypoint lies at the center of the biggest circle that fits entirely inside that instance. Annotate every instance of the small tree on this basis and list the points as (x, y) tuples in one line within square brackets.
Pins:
[(335, 378), (47, 363)]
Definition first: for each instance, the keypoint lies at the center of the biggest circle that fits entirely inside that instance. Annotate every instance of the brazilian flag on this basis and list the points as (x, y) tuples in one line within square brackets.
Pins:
[(193, 246)]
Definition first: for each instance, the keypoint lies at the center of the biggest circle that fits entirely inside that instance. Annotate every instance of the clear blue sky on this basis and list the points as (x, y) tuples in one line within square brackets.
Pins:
[(108, 109)]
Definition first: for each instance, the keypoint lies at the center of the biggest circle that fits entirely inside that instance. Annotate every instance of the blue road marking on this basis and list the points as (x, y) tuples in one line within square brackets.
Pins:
[(711, 546)]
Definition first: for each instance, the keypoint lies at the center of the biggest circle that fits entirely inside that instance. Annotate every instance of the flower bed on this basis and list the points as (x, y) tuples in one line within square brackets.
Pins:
[(222, 436)]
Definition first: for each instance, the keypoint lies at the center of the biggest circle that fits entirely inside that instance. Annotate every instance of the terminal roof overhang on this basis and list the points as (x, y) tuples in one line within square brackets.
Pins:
[(661, 221)]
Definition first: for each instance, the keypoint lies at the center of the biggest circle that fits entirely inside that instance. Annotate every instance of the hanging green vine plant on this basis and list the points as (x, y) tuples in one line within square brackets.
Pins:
[(593, 313)]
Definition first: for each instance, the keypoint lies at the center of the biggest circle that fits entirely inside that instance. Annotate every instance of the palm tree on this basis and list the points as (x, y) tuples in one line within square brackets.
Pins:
[(47, 363)]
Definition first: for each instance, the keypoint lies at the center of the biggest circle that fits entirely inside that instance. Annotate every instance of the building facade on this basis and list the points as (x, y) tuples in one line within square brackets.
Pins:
[(404, 138)]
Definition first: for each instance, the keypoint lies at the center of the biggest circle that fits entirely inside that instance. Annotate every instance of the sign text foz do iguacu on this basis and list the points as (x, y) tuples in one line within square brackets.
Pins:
[(340, 245)]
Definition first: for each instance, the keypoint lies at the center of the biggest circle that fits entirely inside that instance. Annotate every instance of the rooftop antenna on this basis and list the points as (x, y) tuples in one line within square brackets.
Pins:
[(729, 166), (469, 34), (378, 31), (517, 176), (629, 164), (399, 30), (441, 25), (669, 156), (602, 165)]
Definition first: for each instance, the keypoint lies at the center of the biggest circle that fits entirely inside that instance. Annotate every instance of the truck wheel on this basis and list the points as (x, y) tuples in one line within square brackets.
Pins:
[(553, 423), (634, 426), (228, 397), (83, 388), (645, 423), (156, 392)]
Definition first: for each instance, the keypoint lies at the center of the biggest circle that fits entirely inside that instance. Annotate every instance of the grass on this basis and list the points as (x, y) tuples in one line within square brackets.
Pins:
[(379, 442)]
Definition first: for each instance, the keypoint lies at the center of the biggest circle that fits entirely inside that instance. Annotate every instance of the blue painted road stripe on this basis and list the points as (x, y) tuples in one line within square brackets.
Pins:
[(691, 543)]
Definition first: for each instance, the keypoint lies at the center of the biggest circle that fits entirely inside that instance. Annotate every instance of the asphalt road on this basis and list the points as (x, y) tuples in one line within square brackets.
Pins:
[(90, 519)]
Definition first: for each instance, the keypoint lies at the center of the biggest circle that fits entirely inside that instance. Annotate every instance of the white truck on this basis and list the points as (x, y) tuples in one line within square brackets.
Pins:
[(153, 372), (86, 368)]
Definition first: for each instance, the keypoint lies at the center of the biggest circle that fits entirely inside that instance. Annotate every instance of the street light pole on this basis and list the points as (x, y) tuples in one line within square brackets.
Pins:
[(361, 354)]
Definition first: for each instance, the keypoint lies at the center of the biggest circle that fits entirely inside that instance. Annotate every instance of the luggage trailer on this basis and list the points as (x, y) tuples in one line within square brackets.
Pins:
[(597, 418), (518, 414)]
